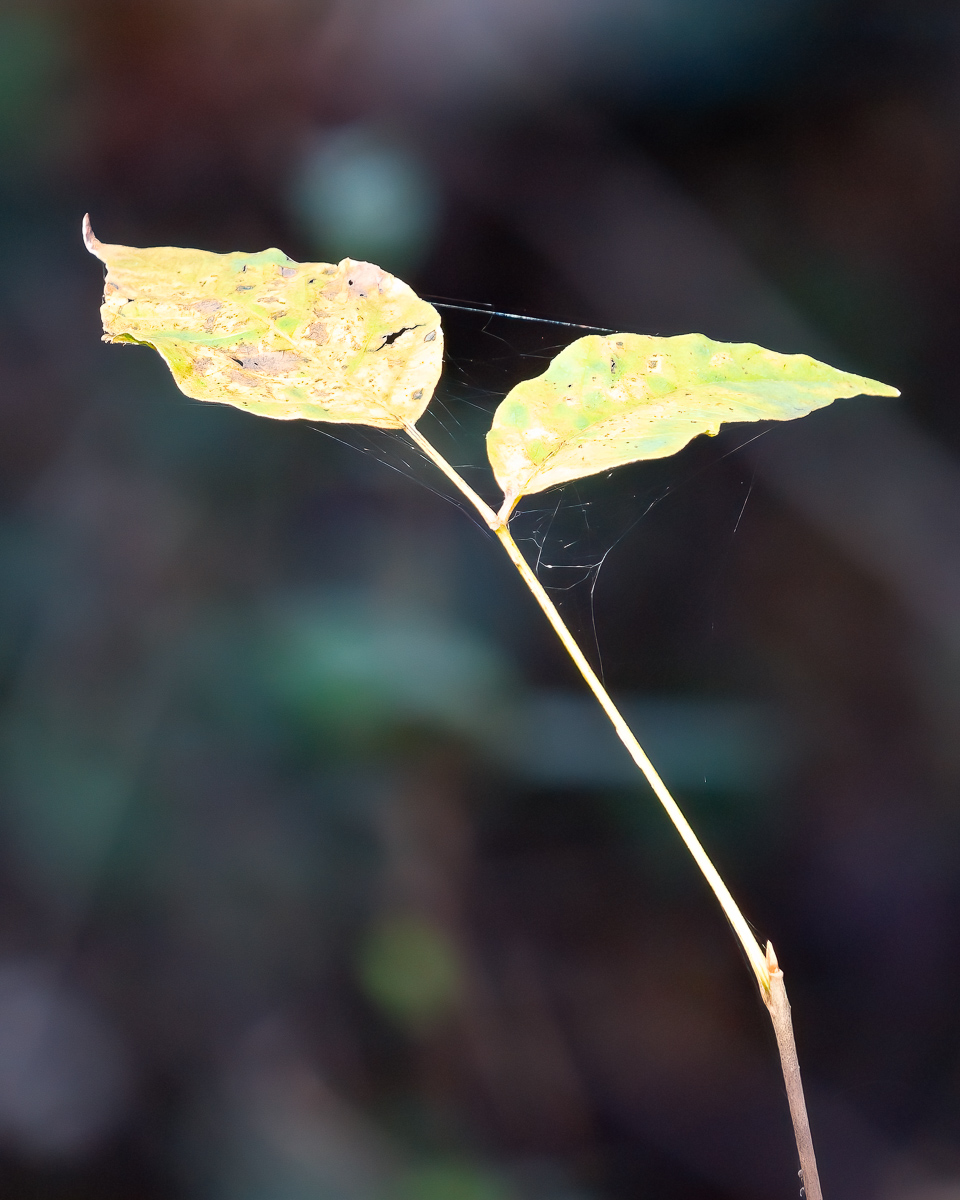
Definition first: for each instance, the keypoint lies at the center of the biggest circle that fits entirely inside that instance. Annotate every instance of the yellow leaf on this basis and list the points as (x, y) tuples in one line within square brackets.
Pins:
[(606, 401), (275, 337)]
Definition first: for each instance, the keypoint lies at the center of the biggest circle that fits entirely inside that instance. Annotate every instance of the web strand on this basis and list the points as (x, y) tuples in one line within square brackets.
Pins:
[(494, 312), (568, 545)]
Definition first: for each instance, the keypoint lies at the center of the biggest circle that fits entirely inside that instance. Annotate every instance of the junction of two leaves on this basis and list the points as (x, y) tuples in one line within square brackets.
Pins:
[(351, 343)]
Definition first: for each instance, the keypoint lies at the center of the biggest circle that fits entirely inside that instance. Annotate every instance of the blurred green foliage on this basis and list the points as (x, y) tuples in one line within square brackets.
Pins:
[(410, 969), (452, 1181), (35, 117)]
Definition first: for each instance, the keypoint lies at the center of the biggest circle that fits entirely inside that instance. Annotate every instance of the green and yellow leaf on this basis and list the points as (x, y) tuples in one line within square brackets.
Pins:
[(276, 337), (606, 401)]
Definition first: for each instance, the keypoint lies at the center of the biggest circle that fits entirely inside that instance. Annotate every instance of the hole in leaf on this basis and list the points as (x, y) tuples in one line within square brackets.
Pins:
[(390, 338)]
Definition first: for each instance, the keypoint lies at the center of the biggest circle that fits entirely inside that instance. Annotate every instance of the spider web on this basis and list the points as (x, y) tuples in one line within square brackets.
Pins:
[(568, 533)]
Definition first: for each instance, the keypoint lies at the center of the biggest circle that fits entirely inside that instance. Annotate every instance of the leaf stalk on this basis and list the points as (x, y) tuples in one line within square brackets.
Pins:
[(764, 965), (499, 526)]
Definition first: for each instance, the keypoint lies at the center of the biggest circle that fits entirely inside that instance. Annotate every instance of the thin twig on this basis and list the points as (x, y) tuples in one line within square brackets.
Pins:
[(639, 756), (779, 1008), (765, 968), (498, 524)]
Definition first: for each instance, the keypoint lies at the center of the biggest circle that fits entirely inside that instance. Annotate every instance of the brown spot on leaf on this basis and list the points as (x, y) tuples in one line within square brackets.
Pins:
[(270, 362), (365, 278), (317, 332)]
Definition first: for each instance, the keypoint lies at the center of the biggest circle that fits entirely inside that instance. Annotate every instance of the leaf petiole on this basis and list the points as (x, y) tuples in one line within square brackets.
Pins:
[(765, 967), (500, 527)]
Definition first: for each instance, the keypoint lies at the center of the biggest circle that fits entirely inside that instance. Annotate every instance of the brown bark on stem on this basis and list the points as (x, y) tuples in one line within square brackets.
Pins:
[(779, 1008)]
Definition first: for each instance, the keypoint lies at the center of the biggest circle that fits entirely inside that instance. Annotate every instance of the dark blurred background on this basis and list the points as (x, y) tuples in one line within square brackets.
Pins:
[(321, 877)]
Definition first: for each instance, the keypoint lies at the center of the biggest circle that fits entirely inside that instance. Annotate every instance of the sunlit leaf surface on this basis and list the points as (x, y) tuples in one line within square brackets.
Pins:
[(276, 337), (605, 401)]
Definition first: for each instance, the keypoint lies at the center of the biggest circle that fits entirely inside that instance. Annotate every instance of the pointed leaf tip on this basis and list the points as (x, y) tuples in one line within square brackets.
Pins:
[(90, 239), (346, 342), (607, 401)]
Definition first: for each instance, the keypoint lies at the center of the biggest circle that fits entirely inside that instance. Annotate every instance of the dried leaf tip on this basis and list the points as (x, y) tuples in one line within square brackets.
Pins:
[(90, 239), (772, 965)]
